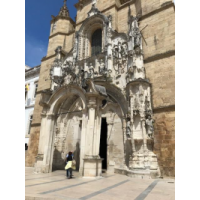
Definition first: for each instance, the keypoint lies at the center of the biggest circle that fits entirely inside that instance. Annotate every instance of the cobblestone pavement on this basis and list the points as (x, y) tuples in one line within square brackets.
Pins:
[(55, 186)]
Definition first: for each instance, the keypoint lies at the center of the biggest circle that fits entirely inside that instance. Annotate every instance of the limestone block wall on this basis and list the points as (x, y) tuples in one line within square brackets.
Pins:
[(164, 141), (62, 25), (161, 74), (44, 80), (33, 146), (160, 33), (122, 26), (146, 6), (65, 41)]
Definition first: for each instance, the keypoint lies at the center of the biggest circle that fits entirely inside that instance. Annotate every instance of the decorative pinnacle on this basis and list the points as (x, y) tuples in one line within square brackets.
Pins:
[(64, 12)]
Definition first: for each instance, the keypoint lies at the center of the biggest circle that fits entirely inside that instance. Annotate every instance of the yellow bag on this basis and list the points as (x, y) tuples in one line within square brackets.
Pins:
[(68, 165)]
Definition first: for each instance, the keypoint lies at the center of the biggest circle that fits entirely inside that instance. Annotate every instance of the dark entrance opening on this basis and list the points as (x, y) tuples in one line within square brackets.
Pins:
[(103, 143)]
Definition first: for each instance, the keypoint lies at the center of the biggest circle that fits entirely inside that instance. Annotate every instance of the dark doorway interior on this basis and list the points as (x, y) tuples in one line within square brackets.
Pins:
[(103, 143)]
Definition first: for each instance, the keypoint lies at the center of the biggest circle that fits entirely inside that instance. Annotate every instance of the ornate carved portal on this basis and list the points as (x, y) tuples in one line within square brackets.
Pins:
[(110, 84)]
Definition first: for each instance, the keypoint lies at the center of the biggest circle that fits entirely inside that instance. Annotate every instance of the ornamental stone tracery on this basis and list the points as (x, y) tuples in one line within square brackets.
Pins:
[(120, 63)]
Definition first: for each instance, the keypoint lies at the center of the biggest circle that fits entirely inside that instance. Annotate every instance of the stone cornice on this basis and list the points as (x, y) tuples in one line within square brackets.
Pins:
[(35, 124), (160, 9), (159, 56), (54, 19), (61, 33), (164, 108), (47, 58)]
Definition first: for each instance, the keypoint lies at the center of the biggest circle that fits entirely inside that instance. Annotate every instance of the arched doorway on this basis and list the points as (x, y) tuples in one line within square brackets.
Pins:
[(51, 133), (68, 132)]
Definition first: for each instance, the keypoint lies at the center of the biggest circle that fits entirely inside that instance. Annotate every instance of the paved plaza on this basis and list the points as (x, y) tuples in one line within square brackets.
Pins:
[(55, 186)]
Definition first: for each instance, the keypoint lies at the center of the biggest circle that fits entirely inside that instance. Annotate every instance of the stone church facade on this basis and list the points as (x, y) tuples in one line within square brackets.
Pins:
[(107, 90)]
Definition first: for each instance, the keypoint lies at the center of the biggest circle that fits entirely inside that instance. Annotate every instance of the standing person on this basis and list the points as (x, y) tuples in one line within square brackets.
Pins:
[(69, 165)]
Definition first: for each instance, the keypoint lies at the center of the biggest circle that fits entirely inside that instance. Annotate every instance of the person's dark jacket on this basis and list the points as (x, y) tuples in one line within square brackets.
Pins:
[(69, 158)]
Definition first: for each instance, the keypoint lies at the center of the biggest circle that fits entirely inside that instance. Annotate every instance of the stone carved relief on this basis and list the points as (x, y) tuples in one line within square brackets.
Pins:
[(135, 33), (120, 57)]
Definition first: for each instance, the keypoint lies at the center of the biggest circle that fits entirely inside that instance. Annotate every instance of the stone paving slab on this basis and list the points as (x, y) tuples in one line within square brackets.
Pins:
[(55, 186)]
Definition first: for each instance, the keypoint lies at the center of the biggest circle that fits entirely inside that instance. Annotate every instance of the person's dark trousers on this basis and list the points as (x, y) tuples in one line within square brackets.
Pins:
[(69, 173)]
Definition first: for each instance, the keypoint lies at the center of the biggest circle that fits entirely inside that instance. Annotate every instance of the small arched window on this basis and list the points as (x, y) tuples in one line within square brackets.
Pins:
[(96, 42)]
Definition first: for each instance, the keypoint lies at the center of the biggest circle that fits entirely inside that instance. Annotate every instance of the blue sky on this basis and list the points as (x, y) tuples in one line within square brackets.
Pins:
[(37, 26)]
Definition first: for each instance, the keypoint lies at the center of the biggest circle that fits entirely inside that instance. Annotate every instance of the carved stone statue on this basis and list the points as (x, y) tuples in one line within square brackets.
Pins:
[(149, 126), (115, 52), (91, 70), (119, 50), (124, 50), (139, 71), (102, 67), (67, 79), (110, 21), (130, 74)]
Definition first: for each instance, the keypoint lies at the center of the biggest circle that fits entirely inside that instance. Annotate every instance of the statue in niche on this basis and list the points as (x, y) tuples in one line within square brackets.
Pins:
[(102, 67), (115, 52), (135, 32), (139, 71), (91, 70), (149, 126), (147, 105), (130, 75), (124, 49), (110, 21), (136, 104), (119, 50)]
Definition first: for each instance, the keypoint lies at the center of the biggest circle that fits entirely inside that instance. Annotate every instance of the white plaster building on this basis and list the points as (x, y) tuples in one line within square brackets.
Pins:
[(31, 80)]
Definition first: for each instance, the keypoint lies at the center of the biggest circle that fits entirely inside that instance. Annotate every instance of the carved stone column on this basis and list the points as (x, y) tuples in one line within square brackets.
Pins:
[(92, 161), (83, 139), (46, 145), (110, 162)]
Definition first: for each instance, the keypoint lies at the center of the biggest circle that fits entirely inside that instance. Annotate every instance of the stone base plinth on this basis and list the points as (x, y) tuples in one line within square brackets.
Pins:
[(92, 167), (143, 174), (41, 168)]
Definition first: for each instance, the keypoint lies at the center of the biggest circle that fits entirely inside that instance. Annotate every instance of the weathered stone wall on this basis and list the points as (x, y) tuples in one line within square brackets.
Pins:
[(164, 141), (160, 33), (161, 74), (44, 80), (65, 41), (33, 146)]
